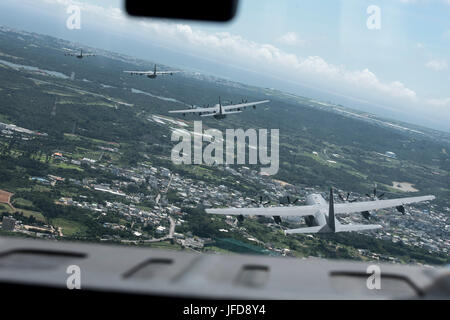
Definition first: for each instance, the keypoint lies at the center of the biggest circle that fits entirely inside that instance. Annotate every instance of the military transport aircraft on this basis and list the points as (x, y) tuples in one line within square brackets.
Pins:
[(320, 215), (80, 55), (152, 74), (219, 111)]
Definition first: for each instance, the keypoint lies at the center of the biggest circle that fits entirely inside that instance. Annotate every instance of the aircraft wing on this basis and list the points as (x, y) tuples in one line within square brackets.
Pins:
[(243, 105), (341, 208), (88, 54), (296, 211), (139, 72), (166, 72), (339, 228), (195, 110)]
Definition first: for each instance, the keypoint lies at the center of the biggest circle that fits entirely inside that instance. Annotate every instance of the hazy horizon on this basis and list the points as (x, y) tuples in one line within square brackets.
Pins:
[(417, 95)]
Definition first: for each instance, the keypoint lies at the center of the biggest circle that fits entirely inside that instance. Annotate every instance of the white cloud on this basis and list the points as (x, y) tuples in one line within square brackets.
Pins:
[(237, 48), (250, 54), (246, 54), (437, 65), (291, 39), (445, 102)]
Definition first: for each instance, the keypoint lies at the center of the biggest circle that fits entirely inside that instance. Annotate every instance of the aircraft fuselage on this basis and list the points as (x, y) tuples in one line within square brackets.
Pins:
[(220, 116), (320, 218)]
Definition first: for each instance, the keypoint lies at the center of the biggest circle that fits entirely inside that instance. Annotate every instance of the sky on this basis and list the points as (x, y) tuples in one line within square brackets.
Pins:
[(391, 58)]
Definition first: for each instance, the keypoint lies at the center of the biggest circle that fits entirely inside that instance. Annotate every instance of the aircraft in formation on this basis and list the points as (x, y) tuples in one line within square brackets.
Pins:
[(319, 215), (152, 74), (80, 55), (219, 111)]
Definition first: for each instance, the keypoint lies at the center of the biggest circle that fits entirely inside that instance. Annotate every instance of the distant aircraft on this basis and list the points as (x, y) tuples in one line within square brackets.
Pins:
[(320, 215), (80, 55), (152, 74), (219, 111)]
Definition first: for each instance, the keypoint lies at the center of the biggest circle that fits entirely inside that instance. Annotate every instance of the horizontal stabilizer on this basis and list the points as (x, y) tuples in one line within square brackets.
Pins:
[(339, 228), (231, 112), (357, 227), (304, 230), (208, 115)]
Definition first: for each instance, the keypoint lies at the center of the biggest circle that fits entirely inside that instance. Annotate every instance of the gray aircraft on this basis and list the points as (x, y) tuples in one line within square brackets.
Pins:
[(80, 55), (319, 215), (152, 74), (219, 111)]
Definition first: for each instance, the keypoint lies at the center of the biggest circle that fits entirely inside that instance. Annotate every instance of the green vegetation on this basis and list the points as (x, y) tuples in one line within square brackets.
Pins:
[(82, 119)]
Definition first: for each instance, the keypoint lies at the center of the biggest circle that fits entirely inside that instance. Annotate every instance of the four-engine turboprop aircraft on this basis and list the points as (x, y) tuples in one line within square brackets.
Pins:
[(320, 215), (80, 55), (219, 111), (152, 74)]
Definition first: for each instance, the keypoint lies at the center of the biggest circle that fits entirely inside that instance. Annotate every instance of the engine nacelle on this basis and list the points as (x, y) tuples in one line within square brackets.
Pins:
[(366, 215), (277, 219), (401, 209)]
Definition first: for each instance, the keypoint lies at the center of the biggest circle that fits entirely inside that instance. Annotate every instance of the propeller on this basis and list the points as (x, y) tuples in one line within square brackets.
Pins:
[(401, 209), (289, 201), (261, 203), (277, 219), (346, 198), (374, 196)]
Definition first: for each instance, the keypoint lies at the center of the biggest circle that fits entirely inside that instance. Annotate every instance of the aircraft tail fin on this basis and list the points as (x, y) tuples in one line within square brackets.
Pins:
[(331, 218)]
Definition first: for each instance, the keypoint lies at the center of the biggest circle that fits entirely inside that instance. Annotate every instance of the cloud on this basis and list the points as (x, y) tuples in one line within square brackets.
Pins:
[(437, 65), (236, 48), (233, 49), (245, 53), (291, 39), (445, 102)]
